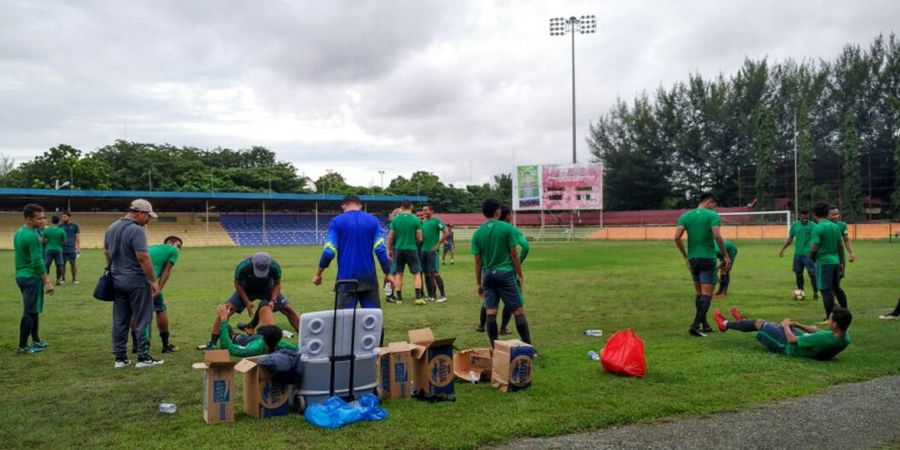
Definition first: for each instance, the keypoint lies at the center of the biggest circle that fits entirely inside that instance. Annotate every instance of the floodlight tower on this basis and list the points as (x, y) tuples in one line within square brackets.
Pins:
[(560, 26)]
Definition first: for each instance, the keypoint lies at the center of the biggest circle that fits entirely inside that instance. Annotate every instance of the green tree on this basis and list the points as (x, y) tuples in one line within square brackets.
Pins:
[(804, 159), (851, 189), (764, 148)]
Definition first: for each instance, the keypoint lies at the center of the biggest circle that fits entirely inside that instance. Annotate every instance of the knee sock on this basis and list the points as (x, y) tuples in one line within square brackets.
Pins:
[(702, 304), (896, 311), (741, 325), (522, 328), (214, 339), (492, 329), (482, 317), (800, 280), (429, 284), (35, 319), (828, 302), (24, 330), (164, 337), (815, 286), (440, 284), (255, 320), (398, 295), (419, 293), (841, 296), (723, 283), (507, 314)]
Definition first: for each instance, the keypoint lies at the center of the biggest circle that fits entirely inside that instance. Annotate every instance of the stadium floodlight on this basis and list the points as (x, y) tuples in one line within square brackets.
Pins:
[(560, 26)]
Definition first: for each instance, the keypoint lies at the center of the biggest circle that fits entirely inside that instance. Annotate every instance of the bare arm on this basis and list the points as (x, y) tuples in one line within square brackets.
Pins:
[(276, 291), (444, 234), (478, 275), (514, 257), (787, 242), (717, 235), (77, 242), (164, 275), (106, 254), (849, 249), (679, 242), (390, 244), (806, 328), (146, 264), (813, 251), (419, 236), (243, 295), (788, 333)]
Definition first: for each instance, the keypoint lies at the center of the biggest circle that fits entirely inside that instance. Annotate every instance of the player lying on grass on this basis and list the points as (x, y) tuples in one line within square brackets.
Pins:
[(267, 338), (793, 338)]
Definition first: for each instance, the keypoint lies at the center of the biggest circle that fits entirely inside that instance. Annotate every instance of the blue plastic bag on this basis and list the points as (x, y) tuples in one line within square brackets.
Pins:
[(335, 412)]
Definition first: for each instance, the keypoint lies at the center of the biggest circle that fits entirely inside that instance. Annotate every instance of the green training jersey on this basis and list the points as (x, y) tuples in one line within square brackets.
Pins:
[(520, 239), (431, 233), (160, 254), (819, 345), (29, 254), (730, 247), (698, 223), (56, 238), (253, 285), (802, 235), (827, 238), (404, 227), (255, 347), (492, 241), (843, 227)]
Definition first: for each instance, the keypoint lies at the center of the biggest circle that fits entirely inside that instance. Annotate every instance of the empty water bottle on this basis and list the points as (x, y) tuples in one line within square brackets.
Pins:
[(593, 332), (474, 377), (593, 355), (388, 288), (167, 408), (287, 334)]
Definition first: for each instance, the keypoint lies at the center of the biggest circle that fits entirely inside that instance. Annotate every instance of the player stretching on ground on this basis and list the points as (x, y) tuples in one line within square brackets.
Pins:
[(801, 234), (498, 273), (725, 270), (54, 241), (434, 234), (828, 253), (267, 338), (403, 239), (702, 227), (792, 338), (449, 246), (72, 247)]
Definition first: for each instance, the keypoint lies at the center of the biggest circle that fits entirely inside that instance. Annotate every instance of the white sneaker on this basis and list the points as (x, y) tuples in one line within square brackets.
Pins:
[(75, 282), (889, 317), (120, 363), (148, 362), (441, 299), (429, 299)]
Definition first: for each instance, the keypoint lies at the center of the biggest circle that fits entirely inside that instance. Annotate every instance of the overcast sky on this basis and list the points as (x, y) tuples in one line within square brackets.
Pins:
[(462, 89)]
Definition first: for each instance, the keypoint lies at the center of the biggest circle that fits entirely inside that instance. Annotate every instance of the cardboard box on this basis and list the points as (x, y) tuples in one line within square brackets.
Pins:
[(512, 364), (395, 371), (471, 362), (432, 364), (263, 397), (218, 386)]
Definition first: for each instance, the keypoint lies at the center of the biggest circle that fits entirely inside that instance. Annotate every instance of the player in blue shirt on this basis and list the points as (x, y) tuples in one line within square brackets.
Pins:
[(352, 238)]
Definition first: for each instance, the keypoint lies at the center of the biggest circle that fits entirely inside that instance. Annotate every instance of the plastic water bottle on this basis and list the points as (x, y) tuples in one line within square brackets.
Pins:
[(596, 333), (473, 376), (388, 288), (167, 408), (593, 355), (287, 334)]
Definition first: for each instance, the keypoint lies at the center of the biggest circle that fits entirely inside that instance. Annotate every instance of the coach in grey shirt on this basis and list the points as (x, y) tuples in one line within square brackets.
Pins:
[(125, 247)]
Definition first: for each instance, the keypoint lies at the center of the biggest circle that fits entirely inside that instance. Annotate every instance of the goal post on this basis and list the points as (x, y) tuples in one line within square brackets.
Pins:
[(765, 216)]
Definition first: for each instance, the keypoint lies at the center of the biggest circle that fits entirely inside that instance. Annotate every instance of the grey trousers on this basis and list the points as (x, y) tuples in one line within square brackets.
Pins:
[(130, 303)]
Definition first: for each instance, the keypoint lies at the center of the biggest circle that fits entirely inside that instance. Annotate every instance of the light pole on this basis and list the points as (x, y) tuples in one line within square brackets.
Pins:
[(560, 26), (381, 174)]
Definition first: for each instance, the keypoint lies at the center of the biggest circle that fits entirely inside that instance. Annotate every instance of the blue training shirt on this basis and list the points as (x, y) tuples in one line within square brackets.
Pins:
[(353, 237)]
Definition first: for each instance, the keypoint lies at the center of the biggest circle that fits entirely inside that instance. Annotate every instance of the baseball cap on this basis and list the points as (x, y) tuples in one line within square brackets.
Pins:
[(143, 206), (261, 263)]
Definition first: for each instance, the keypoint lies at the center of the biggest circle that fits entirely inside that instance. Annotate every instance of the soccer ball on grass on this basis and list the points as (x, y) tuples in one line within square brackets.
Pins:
[(798, 294)]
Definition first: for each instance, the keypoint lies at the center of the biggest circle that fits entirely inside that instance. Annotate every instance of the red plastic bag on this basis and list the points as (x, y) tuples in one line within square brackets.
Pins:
[(624, 354)]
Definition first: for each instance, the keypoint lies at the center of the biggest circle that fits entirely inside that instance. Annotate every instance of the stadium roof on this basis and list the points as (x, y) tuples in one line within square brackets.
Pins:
[(15, 198)]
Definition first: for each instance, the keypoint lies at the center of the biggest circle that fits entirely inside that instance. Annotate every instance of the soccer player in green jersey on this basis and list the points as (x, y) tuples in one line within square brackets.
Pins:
[(54, 240), (702, 227), (72, 247), (267, 339), (834, 215), (828, 252), (434, 233), (163, 256), (725, 271), (31, 277), (793, 338), (403, 249), (505, 215), (498, 272), (801, 236)]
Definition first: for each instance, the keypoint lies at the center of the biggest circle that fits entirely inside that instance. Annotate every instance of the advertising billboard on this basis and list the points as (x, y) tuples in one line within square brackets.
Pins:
[(558, 187)]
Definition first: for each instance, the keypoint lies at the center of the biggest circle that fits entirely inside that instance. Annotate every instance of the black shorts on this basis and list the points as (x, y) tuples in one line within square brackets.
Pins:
[(349, 295), (429, 262), (69, 255), (828, 276), (53, 256), (32, 294), (404, 258), (703, 270), (159, 303), (238, 304), (500, 285)]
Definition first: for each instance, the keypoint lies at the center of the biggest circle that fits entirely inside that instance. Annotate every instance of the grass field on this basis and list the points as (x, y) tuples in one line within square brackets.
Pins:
[(70, 395)]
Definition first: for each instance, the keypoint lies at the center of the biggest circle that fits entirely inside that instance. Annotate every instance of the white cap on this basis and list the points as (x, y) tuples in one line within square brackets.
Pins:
[(143, 206)]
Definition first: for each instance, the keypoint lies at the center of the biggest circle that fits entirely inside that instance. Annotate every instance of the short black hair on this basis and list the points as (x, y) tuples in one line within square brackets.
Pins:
[(55, 220), (351, 198), (842, 317), (65, 213), (504, 212), (833, 207), (429, 206), (172, 239), (490, 206), (821, 209), (707, 196), (804, 211), (406, 204), (31, 209), (271, 336)]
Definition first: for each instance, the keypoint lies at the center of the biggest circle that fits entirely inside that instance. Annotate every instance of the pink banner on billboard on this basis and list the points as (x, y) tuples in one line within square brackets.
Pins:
[(574, 186)]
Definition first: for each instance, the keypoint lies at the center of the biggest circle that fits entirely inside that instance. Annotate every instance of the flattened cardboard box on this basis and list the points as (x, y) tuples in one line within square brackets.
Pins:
[(512, 365), (263, 397), (394, 366), (471, 362), (218, 386), (432, 363)]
